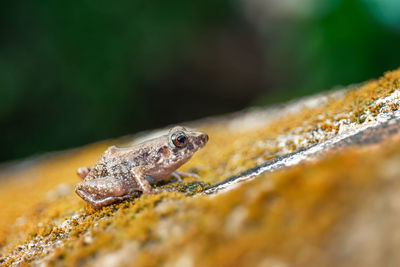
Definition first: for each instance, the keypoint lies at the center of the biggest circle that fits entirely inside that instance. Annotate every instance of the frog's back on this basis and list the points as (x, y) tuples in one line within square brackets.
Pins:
[(117, 162)]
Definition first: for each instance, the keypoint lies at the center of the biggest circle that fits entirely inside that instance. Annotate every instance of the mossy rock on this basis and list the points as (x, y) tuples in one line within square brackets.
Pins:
[(335, 207)]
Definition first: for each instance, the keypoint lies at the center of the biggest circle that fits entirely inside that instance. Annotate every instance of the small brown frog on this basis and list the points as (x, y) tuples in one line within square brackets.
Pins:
[(121, 173)]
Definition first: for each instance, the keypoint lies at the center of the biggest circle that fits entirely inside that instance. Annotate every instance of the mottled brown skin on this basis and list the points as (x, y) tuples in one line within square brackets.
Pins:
[(121, 173)]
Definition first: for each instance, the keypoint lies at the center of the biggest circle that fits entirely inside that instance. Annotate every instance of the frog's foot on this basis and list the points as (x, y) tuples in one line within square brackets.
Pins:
[(178, 174), (83, 171), (102, 192)]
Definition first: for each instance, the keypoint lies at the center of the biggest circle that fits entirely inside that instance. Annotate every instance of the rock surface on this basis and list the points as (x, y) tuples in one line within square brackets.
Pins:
[(314, 181)]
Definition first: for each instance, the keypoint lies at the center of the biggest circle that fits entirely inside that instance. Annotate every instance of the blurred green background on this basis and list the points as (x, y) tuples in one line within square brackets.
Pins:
[(76, 72)]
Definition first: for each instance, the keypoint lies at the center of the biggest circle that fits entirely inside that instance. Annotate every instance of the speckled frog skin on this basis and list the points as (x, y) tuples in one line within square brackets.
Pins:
[(121, 173)]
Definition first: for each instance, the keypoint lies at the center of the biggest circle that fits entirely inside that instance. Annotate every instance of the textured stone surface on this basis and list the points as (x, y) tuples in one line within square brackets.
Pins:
[(312, 181)]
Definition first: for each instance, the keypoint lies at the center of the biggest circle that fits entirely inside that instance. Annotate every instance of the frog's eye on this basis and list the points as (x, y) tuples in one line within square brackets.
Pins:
[(179, 139)]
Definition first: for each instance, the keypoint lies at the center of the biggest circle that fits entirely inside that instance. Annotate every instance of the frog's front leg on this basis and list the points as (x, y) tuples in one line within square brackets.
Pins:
[(139, 176), (102, 191)]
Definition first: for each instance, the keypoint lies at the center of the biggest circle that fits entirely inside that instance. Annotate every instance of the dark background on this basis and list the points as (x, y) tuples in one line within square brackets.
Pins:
[(76, 72)]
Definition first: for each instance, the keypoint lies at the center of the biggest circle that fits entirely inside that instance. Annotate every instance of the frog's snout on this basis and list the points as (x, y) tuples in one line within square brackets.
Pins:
[(203, 139), (206, 137)]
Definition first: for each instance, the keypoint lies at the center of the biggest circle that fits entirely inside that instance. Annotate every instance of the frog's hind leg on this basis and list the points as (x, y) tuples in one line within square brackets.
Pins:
[(102, 191), (82, 172)]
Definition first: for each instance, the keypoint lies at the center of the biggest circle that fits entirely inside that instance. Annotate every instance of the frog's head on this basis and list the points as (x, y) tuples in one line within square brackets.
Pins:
[(185, 141), (174, 149), (182, 144)]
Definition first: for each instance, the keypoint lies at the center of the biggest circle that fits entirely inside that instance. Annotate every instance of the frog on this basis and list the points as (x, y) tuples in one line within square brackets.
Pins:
[(124, 172)]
